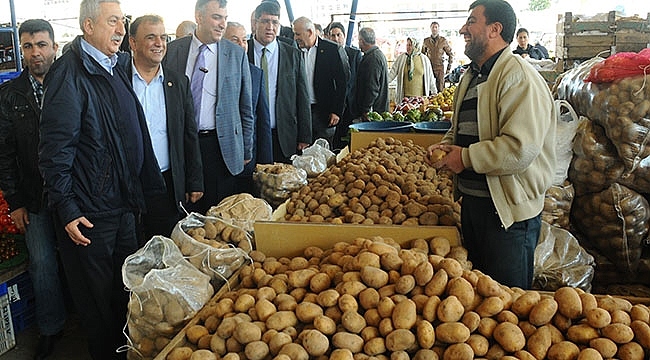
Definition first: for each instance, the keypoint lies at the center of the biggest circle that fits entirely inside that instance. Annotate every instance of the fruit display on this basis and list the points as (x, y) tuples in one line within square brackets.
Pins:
[(423, 108), (8, 232)]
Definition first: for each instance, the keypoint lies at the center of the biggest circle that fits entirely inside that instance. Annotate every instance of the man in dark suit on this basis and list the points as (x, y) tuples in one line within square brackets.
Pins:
[(167, 103), (327, 75), (372, 77), (222, 98), (285, 81), (262, 140), (336, 32)]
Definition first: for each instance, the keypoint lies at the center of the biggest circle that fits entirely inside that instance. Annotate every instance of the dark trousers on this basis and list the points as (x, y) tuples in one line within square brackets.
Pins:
[(278, 155), (320, 126), (162, 212), (218, 182), (94, 275), (342, 132), (506, 255)]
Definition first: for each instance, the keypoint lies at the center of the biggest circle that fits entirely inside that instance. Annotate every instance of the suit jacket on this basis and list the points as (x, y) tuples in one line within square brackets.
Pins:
[(354, 59), (263, 143), (234, 112), (184, 151), (330, 77), (292, 108)]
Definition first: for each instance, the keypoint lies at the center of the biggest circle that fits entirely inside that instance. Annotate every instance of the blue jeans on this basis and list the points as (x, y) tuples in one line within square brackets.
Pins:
[(44, 272)]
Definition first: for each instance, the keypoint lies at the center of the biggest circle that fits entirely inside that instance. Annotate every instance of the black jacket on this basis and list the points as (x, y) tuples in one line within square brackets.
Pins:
[(82, 154), (372, 83), (331, 75), (20, 179), (182, 133)]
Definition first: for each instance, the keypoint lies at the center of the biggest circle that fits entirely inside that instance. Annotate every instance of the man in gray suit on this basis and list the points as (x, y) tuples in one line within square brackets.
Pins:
[(221, 88), (285, 78)]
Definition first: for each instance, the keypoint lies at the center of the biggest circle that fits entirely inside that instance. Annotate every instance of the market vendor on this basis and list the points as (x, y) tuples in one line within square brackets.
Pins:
[(524, 49), (501, 147)]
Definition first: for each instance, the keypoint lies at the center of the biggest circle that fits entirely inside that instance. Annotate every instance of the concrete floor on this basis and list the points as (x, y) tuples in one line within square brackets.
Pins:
[(72, 345)]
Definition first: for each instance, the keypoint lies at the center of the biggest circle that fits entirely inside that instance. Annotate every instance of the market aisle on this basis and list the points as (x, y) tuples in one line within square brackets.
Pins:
[(71, 347)]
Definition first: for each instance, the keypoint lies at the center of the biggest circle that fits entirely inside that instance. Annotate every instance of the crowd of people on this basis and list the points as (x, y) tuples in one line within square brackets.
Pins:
[(104, 148)]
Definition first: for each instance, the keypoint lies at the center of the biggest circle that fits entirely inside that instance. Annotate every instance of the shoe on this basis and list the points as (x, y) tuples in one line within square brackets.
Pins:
[(46, 345)]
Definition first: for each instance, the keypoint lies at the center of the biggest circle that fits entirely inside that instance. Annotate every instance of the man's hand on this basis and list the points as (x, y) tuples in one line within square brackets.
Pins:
[(20, 217), (302, 146), (193, 196), (334, 119), (452, 161), (72, 228)]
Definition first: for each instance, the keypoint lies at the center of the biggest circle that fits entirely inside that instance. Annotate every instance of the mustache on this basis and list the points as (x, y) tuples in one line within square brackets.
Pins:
[(116, 38)]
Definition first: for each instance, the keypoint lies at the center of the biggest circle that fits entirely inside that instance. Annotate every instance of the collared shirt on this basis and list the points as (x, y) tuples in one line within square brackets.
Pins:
[(107, 62), (207, 115), (273, 62), (38, 90), (309, 55), (152, 99)]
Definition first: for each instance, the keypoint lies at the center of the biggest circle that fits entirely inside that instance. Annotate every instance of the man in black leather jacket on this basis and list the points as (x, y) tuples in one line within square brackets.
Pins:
[(21, 182), (98, 164)]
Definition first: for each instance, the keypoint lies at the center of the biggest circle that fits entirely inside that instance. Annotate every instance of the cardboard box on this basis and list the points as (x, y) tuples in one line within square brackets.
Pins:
[(362, 139), (7, 335), (279, 239)]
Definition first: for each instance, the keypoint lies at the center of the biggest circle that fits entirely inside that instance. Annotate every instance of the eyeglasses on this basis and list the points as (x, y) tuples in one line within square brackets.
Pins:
[(273, 22)]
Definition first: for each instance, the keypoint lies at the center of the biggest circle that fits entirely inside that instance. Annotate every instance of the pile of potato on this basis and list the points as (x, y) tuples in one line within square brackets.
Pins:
[(615, 222), (386, 183), (372, 299)]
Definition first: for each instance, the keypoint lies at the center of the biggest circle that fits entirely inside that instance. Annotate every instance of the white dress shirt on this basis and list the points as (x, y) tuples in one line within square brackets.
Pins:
[(309, 55), (207, 119)]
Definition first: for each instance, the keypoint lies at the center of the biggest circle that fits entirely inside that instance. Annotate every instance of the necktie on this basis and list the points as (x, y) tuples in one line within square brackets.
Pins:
[(196, 84), (265, 68)]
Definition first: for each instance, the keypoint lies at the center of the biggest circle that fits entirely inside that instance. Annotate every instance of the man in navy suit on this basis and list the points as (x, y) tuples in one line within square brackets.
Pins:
[(285, 81), (327, 76), (167, 103), (223, 109), (262, 141)]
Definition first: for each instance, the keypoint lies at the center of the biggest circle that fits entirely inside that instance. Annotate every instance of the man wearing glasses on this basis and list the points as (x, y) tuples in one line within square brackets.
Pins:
[(98, 164), (285, 83)]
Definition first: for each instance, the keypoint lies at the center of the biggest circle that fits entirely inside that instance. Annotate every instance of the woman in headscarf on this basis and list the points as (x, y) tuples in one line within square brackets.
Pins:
[(413, 72)]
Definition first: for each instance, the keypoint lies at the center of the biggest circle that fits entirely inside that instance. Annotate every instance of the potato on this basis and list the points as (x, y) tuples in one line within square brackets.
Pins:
[(374, 277), (598, 317), (606, 347), (324, 324), (203, 354), (294, 351), (281, 320), (543, 312), (320, 282), (619, 333), (301, 278), (246, 332), (460, 351), (539, 342), (630, 351), (490, 306), (640, 312), (462, 289), (569, 303), (486, 327), (347, 302), (307, 311), (525, 303), (375, 346), (278, 341), (588, 302), (582, 333), (351, 342), (589, 354), (564, 350), (524, 355), (404, 314), (243, 303), (195, 332), (450, 309), (452, 332), (180, 353), (353, 322), (430, 308), (425, 334), (620, 316), (256, 350), (486, 286), (314, 342), (369, 298), (509, 336), (341, 354), (479, 344), (400, 340), (438, 283)]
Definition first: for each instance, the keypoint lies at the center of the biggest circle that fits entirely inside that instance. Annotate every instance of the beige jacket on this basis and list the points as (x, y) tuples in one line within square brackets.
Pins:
[(435, 50), (516, 150)]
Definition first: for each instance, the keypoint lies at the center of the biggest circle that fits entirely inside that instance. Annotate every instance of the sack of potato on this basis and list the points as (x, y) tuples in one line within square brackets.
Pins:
[(387, 182), (571, 86), (242, 210), (166, 292), (557, 205), (275, 182), (561, 261), (615, 221), (213, 246)]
